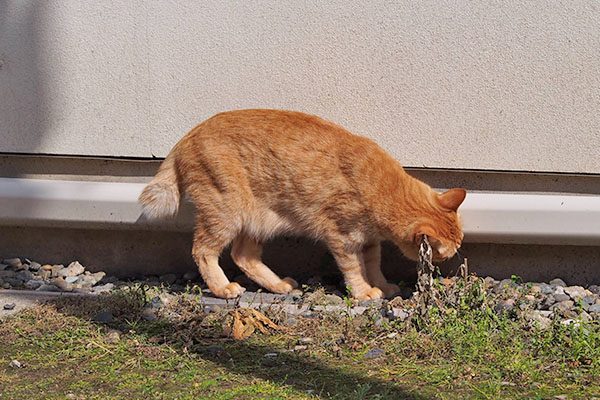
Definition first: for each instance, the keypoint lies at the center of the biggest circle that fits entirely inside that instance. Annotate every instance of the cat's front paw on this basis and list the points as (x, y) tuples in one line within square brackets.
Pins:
[(389, 289), (285, 286), (230, 291), (371, 294)]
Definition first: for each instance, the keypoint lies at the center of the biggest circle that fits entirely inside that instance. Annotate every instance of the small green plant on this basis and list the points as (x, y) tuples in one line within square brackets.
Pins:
[(362, 390), (348, 297)]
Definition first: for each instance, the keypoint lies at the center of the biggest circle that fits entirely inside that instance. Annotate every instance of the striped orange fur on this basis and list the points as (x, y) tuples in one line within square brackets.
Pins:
[(254, 174)]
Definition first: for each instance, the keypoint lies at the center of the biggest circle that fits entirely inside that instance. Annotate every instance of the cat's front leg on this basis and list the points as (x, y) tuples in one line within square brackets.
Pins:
[(372, 260), (352, 266)]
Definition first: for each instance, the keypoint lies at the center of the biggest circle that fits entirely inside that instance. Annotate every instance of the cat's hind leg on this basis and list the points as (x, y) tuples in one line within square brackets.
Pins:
[(372, 259), (208, 244), (246, 252), (351, 263)]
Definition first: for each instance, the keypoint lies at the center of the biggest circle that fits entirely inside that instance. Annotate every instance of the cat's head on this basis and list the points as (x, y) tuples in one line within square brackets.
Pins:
[(442, 225)]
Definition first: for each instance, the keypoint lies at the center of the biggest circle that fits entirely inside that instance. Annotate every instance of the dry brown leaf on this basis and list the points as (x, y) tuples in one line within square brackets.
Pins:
[(246, 321), (266, 321)]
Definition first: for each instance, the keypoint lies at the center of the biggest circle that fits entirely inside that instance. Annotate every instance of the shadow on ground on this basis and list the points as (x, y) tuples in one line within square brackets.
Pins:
[(304, 373)]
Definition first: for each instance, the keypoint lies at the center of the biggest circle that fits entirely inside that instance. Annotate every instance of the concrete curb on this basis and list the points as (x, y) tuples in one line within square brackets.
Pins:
[(29, 298), (292, 305)]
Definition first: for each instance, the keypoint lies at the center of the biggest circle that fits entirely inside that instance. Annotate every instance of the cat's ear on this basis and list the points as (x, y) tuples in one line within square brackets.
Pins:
[(452, 198)]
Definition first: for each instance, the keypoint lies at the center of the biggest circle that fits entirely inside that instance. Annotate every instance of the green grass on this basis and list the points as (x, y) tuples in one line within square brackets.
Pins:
[(468, 352)]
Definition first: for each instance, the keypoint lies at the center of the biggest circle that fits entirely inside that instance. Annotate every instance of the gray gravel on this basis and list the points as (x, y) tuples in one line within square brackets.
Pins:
[(539, 302)]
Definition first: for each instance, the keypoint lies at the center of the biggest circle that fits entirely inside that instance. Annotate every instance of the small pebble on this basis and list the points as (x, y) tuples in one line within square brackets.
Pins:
[(44, 274), (55, 270), (190, 276), (585, 317), (489, 281), (103, 317), (535, 289), (308, 314), (168, 278), (589, 300), (62, 284), (550, 300), (33, 284), (7, 274), (73, 269), (305, 340), (506, 305), (107, 287), (12, 262), (9, 306), (110, 279), (575, 292), (557, 282), (89, 279), (15, 364), (177, 288), (149, 315), (540, 319), (563, 306), (268, 361), (594, 308), (558, 290), (290, 321), (300, 348), (503, 285), (24, 275), (546, 289), (561, 297), (215, 349), (113, 336), (398, 314), (33, 266), (375, 352)]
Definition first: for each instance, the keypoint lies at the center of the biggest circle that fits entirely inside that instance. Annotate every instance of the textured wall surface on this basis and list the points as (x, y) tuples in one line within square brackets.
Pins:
[(486, 85)]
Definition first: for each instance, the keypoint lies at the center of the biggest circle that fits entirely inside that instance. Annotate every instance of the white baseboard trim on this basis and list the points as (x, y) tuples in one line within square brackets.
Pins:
[(518, 218)]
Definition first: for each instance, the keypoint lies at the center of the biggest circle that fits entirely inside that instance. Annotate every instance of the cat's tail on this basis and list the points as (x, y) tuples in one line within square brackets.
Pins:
[(160, 198)]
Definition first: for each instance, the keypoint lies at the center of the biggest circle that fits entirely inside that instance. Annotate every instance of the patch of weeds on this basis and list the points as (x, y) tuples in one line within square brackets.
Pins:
[(459, 349)]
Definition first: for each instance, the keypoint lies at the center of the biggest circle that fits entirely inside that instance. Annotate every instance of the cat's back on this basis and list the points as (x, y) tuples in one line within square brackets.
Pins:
[(279, 149), (270, 127)]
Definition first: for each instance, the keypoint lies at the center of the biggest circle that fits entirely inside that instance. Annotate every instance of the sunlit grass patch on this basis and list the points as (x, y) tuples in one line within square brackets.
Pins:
[(465, 351)]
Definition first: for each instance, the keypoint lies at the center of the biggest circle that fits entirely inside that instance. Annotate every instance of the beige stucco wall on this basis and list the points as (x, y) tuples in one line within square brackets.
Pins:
[(485, 85)]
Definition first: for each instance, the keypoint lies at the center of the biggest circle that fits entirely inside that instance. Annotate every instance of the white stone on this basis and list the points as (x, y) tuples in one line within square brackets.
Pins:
[(73, 269), (575, 292)]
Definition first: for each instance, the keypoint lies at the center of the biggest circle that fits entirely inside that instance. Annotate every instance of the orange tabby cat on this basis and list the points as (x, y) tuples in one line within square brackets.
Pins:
[(254, 174)]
